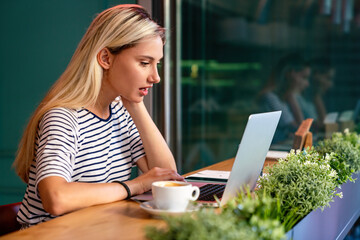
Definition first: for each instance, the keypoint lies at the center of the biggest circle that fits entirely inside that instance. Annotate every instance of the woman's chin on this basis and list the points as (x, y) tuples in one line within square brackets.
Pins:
[(137, 100), (133, 100)]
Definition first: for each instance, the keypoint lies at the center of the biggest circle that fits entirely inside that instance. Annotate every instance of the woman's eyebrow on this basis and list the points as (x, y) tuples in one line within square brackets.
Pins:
[(146, 56), (149, 57)]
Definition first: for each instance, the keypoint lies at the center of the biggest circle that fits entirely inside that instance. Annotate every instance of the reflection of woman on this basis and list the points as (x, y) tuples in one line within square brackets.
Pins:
[(284, 90), (322, 80), (271, 99), (92, 127), (296, 80)]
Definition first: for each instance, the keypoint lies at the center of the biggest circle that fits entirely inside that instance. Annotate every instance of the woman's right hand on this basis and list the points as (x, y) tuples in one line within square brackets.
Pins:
[(143, 183)]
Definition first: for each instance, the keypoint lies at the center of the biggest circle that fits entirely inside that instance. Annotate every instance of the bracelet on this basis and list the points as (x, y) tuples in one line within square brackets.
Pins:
[(127, 189)]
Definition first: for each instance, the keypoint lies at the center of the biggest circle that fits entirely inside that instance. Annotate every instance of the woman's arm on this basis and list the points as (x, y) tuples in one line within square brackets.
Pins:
[(320, 108), (295, 108), (157, 151), (59, 196)]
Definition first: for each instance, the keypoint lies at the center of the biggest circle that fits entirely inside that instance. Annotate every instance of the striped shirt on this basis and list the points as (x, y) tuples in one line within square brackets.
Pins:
[(80, 147)]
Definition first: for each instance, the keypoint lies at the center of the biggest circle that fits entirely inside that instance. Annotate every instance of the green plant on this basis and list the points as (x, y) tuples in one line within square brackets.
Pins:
[(259, 211), (205, 224), (352, 137), (291, 189), (302, 182), (244, 217), (343, 149)]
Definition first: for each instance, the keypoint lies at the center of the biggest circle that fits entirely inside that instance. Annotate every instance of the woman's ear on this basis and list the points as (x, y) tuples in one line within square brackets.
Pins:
[(104, 58)]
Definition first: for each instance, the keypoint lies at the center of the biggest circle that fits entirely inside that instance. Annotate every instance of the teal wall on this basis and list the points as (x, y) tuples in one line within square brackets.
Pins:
[(37, 41)]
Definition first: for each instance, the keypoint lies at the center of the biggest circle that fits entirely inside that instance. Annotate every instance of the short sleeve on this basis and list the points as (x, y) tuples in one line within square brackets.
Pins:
[(56, 145)]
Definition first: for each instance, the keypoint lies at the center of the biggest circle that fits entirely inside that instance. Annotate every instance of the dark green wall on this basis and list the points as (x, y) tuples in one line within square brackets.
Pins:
[(37, 41)]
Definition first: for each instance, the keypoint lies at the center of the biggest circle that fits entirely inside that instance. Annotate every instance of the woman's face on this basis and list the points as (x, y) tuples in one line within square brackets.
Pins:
[(324, 81), (301, 79), (133, 71)]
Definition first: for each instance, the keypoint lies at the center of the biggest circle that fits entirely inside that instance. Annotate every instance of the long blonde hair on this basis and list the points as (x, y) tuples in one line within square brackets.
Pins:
[(116, 28)]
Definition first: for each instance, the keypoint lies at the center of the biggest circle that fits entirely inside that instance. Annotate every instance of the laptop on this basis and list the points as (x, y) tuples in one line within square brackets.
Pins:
[(248, 163)]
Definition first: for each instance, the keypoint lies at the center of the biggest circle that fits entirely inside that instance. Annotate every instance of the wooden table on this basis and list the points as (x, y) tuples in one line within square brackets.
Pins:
[(118, 220)]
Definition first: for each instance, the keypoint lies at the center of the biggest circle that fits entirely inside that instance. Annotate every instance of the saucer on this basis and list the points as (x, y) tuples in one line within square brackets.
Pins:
[(150, 208)]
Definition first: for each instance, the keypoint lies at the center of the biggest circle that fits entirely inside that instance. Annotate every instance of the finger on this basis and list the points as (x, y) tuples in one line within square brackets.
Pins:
[(165, 174), (179, 177), (175, 176)]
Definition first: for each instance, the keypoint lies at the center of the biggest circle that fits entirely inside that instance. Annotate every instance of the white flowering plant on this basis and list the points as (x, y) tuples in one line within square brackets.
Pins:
[(302, 182), (246, 216), (343, 150)]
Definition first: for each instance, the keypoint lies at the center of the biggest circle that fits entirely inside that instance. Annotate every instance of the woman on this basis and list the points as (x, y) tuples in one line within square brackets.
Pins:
[(323, 74), (271, 98), (92, 127), (296, 79)]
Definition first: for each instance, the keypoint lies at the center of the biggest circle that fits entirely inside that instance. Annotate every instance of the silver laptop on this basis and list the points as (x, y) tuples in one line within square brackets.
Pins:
[(250, 157), (248, 163)]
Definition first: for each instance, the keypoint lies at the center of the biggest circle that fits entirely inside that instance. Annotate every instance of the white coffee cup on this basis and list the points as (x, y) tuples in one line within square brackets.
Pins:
[(173, 195)]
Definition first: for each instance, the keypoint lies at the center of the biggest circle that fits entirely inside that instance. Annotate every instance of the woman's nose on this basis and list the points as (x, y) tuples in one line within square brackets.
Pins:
[(154, 77)]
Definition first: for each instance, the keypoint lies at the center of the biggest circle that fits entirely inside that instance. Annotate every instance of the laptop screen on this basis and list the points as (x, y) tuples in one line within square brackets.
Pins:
[(251, 154)]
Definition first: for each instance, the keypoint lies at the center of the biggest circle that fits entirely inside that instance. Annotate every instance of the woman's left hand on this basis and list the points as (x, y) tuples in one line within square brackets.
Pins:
[(143, 183)]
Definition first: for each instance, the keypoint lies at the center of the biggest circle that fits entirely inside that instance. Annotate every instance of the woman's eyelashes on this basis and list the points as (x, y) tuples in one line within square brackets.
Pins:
[(145, 64)]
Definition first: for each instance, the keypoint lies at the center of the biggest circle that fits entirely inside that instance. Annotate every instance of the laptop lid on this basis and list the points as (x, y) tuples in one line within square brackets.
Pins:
[(251, 154)]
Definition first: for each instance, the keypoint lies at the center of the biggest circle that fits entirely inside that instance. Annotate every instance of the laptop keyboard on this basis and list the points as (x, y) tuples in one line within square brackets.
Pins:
[(208, 191)]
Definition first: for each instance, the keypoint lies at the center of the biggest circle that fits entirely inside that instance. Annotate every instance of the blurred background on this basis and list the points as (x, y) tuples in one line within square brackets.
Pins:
[(224, 60)]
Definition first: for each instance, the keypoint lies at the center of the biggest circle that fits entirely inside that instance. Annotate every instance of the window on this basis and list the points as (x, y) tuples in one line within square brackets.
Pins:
[(244, 57)]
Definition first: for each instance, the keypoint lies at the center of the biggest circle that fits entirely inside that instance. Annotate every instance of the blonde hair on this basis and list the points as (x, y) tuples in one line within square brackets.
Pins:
[(116, 28)]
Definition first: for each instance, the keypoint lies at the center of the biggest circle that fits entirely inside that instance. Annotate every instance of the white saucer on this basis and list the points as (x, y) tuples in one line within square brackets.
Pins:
[(150, 208)]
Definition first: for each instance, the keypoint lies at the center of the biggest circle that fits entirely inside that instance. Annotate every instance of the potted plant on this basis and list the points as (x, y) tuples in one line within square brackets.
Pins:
[(344, 151), (288, 199), (244, 217), (302, 182)]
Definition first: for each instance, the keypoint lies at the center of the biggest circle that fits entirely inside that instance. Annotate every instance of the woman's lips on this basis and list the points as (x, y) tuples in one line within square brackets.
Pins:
[(144, 91)]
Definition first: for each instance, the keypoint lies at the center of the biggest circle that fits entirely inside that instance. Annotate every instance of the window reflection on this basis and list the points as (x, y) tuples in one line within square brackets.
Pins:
[(243, 57)]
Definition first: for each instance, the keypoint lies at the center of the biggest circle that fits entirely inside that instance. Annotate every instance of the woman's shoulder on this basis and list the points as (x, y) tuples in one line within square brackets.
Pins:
[(61, 115), (270, 96), (62, 111)]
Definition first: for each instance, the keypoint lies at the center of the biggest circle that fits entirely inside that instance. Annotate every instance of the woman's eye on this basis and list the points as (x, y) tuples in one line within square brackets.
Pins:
[(144, 64)]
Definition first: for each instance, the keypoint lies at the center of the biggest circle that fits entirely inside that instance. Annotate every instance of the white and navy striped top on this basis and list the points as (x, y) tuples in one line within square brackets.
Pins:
[(80, 147)]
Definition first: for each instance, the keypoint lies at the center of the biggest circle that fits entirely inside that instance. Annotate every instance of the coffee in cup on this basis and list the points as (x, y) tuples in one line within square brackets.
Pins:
[(173, 195)]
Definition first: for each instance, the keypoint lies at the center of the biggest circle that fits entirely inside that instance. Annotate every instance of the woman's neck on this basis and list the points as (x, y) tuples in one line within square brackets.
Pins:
[(101, 112), (101, 107)]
